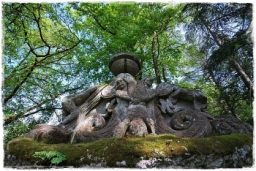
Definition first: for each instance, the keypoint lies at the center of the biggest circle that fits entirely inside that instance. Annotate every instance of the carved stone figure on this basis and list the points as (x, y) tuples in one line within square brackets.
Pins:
[(122, 99), (130, 107), (228, 124)]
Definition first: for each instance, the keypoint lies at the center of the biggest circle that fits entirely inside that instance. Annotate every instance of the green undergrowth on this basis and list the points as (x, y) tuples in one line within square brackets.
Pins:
[(130, 150)]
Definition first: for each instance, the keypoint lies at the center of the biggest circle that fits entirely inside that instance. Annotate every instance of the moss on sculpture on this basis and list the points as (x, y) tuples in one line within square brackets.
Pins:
[(130, 150)]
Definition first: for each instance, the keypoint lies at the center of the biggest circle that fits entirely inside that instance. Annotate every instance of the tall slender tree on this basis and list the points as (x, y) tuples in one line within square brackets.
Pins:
[(221, 31)]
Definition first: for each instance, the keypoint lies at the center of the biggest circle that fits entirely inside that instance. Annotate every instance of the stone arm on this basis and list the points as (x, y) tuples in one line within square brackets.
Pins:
[(151, 95), (145, 98), (197, 97), (71, 103), (123, 95)]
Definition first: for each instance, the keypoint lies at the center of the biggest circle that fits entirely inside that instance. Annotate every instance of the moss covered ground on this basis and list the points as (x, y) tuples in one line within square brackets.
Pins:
[(130, 150)]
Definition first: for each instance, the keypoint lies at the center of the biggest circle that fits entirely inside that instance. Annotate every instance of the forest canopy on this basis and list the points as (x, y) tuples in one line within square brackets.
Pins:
[(51, 50)]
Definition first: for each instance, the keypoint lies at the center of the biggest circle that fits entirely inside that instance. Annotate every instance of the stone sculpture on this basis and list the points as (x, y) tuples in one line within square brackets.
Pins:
[(130, 107)]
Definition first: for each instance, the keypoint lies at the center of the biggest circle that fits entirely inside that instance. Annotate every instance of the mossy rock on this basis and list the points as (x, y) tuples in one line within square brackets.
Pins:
[(112, 151)]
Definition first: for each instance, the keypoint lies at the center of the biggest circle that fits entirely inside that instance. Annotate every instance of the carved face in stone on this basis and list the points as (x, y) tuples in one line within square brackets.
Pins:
[(148, 82), (120, 84)]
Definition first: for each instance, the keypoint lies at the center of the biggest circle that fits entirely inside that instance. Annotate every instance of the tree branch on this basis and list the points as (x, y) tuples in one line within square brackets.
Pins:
[(40, 30), (101, 26), (25, 113), (6, 99), (39, 110), (13, 72)]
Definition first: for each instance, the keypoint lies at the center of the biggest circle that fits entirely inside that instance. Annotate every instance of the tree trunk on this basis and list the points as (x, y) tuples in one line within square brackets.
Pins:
[(247, 81), (215, 36), (155, 62)]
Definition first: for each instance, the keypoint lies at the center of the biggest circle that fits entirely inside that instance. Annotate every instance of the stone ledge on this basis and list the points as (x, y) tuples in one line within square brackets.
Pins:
[(162, 151)]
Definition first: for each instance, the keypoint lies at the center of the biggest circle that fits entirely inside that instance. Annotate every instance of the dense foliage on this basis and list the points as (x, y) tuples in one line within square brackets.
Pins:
[(52, 50), (223, 34)]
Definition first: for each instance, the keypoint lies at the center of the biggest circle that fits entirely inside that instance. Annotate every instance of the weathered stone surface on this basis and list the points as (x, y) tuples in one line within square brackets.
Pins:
[(124, 63), (185, 123), (84, 134), (241, 157), (50, 134), (228, 124), (173, 98), (138, 128), (162, 151)]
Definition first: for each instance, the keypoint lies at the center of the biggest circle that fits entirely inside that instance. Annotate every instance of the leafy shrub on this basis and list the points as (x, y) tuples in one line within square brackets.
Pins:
[(54, 157)]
